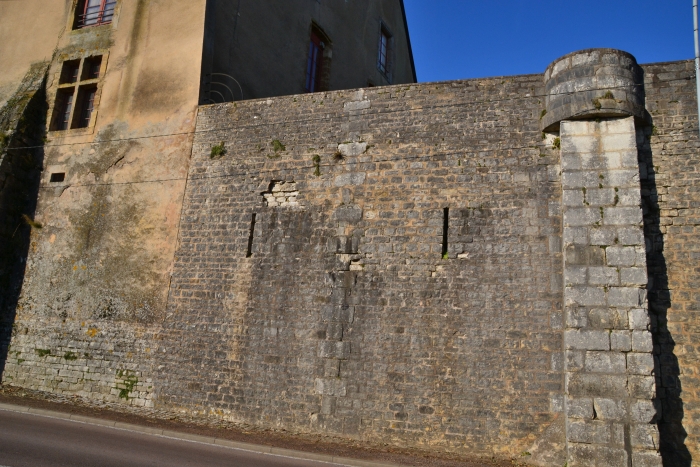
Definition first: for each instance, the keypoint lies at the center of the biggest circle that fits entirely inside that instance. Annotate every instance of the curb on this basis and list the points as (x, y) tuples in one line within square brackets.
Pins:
[(197, 438)]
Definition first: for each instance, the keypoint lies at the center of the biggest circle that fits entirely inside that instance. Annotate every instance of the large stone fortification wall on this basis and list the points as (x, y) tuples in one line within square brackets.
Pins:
[(670, 176), (422, 265), (312, 289)]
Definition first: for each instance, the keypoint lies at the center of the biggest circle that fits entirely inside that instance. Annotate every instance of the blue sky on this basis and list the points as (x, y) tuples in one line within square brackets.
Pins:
[(458, 39)]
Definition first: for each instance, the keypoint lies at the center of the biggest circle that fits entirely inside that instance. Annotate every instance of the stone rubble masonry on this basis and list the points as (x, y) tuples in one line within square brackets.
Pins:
[(607, 336), (670, 179), (351, 317), (314, 290)]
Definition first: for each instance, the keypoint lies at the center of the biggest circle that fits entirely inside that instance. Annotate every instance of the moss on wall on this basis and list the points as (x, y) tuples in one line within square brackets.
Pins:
[(22, 126)]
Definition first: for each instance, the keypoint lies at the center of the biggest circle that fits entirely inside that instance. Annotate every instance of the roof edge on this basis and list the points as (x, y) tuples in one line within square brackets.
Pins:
[(408, 40)]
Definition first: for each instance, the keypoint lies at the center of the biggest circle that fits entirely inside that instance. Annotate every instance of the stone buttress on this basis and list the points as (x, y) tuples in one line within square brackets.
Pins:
[(594, 98)]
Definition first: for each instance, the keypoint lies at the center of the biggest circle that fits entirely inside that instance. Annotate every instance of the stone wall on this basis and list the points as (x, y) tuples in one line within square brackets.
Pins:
[(609, 364), (22, 121), (346, 308), (408, 265), (670, 176)]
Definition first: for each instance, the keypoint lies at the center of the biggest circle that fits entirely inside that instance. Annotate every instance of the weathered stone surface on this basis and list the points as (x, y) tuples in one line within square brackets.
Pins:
[(593, 83), (338, 311), (380, 333), (587, 340), (594, 385)]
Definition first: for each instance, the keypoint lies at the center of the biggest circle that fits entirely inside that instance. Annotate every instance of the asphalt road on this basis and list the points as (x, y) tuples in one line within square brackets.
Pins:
[(35, 441)]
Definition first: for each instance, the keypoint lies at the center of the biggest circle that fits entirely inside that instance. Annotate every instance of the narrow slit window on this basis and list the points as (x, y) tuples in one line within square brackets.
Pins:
[(314, 63), (384, 52), (249, 252), (57, 177), (445, 231)]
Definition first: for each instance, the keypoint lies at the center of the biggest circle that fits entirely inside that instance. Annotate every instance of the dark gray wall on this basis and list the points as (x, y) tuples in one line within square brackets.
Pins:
[(264, 45)]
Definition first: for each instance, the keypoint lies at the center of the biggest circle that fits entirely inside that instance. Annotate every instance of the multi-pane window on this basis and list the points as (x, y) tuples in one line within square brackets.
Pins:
[(94, 12), (314, 63), (75, 98), (69, 72), (62, 109), (91, 68), (384, 53), (85, 106), (383, 60)]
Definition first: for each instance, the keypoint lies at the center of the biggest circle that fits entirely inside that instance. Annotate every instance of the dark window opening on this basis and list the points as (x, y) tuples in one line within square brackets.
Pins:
[(94, 13), (91, 68), (318, 62), (445, 230), (57, 177), (84, 107), (69, 72), (314, 63), (62, 110), (75, 105), (384, 55), (249, 253)]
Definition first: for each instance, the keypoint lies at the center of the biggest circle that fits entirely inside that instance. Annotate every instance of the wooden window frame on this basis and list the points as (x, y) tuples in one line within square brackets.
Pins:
[(75, 103)]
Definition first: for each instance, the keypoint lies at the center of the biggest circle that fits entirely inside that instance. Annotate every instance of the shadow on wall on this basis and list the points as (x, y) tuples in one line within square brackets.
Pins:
[(20, 176), (674, 452)]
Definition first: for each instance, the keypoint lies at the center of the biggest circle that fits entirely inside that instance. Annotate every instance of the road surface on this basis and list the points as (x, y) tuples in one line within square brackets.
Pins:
[(28, 440)]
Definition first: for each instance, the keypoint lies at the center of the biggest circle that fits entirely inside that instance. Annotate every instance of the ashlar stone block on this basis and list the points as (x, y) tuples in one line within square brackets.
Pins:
[(585, 296), (580, 407), (605, 362), (588, 431), (589, 455), (582, 216), (644, 436), (642, 341), (643, 411), (639, 319), (624, 297), (633, 276), (587, 340), (622, 215), (607, 318), (621, 256), (597, 385), (610, 409), (640, 363), (603, 276), (621, 341), (642, 387)]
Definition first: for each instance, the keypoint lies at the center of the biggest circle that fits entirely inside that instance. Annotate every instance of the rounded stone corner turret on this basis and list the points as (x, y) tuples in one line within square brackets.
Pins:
[(593, 83)]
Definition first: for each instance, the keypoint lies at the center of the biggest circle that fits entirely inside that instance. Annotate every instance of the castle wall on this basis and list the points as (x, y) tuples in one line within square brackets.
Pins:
[(670, 177), (314, 289), (311, 290)]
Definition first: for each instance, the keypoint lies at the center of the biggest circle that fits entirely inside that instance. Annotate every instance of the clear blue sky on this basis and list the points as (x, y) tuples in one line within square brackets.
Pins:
[(457, 39)]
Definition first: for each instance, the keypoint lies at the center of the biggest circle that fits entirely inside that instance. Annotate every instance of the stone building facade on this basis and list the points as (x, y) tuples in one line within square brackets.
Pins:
[(495, 266), (98, 104)]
